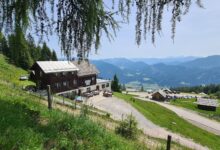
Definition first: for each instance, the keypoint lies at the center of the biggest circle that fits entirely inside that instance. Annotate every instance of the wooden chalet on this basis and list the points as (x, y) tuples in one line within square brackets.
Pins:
[(159, 96), (66, 76), (207, 104)]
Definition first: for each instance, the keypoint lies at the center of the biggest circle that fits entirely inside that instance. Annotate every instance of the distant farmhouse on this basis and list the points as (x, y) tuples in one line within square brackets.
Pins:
[(159, 95), (67, 76), (207, 104)]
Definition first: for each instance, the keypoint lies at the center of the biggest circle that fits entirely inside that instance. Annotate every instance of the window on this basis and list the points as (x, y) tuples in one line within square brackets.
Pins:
[(57, 74), (93, 78), (107, 85), (41, 73), (66, 83), (57, 85), (87, 82), (74, 82), (103, 86), (64, 73)]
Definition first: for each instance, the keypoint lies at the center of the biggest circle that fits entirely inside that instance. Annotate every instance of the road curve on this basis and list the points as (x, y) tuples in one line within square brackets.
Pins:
[(191, 116), (119, 108)]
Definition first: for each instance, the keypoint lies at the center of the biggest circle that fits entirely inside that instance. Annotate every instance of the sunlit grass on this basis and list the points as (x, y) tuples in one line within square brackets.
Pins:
[(168, 119)]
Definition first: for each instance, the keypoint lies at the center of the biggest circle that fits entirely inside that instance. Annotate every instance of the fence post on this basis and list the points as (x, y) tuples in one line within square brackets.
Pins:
[(49, 97), (168, 142)]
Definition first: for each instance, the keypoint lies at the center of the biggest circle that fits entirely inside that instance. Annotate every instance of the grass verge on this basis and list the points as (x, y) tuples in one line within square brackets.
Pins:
[(168, 119), (189, 104)]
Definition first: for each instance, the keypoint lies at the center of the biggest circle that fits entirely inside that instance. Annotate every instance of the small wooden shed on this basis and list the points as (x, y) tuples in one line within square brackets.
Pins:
[(159, 96), (207, 104)]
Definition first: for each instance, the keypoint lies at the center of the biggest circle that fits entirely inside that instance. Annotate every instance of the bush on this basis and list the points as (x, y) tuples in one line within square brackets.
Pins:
[(128, 128)]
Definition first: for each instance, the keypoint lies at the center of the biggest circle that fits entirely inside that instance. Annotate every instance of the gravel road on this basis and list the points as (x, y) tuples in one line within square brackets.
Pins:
[(119, 108), (193, 117)]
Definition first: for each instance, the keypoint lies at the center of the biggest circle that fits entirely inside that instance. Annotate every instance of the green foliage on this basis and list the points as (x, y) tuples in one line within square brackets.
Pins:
[(84, 110), (115, 86), (54, 56), (45, 53), (128, 128), (142, 88), (25, 123), (95, 18), (166, 118), (4, 45), (208, 89), (22, 51), (10, 74)]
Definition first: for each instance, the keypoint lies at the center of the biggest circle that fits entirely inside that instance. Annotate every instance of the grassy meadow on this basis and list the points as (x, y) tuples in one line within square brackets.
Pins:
[(25, 123), (168, 119)]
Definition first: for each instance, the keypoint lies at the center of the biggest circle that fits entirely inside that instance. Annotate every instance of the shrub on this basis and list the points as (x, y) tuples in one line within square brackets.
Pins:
[(128, 128)]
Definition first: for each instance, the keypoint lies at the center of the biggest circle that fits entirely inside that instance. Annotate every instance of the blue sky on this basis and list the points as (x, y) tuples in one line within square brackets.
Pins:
[(198, 34)]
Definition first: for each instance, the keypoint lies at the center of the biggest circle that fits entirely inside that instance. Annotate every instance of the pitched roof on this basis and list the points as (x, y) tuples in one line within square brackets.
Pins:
[(161, 93), (85, 68), (56, 66), (207, 102)]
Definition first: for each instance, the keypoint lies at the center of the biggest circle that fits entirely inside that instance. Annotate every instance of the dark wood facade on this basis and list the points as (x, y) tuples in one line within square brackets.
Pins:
[(158, 96), (209, 108), (60, 81)]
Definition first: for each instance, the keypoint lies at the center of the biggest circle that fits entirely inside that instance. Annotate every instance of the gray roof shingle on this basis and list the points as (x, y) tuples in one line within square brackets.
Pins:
[(85, 68)]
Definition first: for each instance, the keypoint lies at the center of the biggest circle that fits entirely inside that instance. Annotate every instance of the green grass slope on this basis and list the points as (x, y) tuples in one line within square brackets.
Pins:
[(9, 73), (27, 124), (189, 104), (168, 119)]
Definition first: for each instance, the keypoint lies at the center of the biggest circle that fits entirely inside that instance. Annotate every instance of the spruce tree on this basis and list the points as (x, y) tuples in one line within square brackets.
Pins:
[(54, 56), (115, 84), (4, 45), (45, 53)]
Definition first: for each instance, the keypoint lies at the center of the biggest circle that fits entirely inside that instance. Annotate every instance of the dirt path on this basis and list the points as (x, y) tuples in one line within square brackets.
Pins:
[(119, 108), (193, 117)]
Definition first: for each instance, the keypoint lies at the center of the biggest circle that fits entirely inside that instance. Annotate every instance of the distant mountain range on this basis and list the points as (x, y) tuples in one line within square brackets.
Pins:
[(184, 71)]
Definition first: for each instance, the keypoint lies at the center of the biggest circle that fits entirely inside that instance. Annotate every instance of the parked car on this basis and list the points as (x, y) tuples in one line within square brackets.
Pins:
[(88, 94), (107, 94), (95, 92)]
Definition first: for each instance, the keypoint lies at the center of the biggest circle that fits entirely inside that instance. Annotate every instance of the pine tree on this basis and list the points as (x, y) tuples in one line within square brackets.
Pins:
[(54, 56), (18, 47), (115, 84), (35, 51), (4, 45), (45, 53), (142, 88)]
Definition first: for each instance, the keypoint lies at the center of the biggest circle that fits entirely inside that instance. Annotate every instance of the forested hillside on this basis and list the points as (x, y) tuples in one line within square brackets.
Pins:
[(23, 51), (196, 72)]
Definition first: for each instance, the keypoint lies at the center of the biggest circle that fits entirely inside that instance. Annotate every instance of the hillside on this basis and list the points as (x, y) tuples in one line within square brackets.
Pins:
[(137, 73), (204, 63), (26, 123)]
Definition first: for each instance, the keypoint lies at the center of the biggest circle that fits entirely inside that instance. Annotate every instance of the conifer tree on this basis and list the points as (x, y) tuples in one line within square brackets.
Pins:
[(54, 56), (115, 84), (45, 53)]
